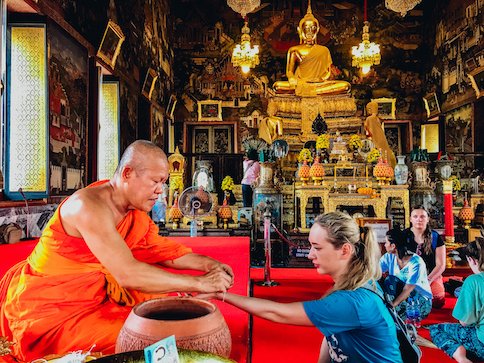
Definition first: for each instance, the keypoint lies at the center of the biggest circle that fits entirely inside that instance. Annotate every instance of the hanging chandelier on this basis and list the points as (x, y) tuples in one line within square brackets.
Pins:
[(243, 7), (366, 53), (401, 6), (244, 54)]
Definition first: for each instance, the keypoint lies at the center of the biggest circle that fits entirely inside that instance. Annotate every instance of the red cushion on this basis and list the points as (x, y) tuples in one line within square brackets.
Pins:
[(13, 253)]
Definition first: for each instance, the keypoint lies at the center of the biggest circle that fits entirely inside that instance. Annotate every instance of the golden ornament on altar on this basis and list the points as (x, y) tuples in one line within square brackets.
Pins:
[(382, 172), (466, 214), (366, 191), (225, 212), (304, 172), (316, 172), (176, 214)]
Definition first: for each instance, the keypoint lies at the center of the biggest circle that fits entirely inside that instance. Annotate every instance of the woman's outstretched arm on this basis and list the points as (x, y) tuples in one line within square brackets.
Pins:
[(287, 313)]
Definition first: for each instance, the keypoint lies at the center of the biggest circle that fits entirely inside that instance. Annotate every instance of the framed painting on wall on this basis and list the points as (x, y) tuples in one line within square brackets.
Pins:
[(476, 77), (394, 138), (386, 108), (222, 143), (111, 44), (149, 83), (431, 104), (68, 85), (201, 140), (459, 130), (157, 126), (380, 227), (399, 135), (210, 110), (170, 109)]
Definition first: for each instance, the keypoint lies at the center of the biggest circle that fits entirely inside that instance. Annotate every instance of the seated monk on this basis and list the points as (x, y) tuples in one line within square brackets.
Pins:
[(374, 130), (99, 255), (309, 64)]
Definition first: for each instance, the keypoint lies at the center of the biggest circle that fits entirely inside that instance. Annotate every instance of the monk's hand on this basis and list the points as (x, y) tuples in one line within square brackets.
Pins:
[(227, 269), (216, 279), (293, 81)]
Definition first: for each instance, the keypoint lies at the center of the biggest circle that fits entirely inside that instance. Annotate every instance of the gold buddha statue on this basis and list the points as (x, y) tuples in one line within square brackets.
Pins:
[(308, 66)]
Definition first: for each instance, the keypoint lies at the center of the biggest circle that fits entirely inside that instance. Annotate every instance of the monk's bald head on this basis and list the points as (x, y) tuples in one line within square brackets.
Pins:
[(138, 154)]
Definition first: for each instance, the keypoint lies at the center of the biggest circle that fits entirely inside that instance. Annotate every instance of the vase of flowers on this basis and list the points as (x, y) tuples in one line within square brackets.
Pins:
[(322, 146), (355, 144)]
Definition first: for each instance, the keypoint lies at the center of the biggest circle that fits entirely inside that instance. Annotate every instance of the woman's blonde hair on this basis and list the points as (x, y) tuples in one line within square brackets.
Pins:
[(365, 264)]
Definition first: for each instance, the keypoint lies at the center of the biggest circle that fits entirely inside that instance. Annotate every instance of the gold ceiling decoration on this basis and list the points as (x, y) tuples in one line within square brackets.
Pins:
[(401, 6), (366, 53), (245, 55), (243, 7)]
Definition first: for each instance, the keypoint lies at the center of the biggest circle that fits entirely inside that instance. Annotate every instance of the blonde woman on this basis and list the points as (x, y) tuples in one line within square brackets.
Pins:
[(356, 324)]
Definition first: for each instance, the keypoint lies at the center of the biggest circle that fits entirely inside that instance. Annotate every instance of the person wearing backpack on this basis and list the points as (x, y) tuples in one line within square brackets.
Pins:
[(251, 173), (407, 283), (428, 244), (464, 341), (356, 323)]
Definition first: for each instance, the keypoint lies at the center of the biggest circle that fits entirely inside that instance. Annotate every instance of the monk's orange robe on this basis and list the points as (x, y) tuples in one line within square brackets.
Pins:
[(61, 299)]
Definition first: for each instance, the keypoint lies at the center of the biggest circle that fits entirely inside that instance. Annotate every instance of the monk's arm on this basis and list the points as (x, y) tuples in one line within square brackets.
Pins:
[(112, 252), (194, 261)]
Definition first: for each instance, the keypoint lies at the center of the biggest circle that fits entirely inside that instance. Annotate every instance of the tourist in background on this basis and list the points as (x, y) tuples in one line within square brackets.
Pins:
[(251, 173), (429, 245), (407, 283), (464, 341), (354, 320)]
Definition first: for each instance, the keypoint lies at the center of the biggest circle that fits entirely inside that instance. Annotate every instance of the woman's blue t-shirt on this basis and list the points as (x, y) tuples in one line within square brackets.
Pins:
[(357, 327)]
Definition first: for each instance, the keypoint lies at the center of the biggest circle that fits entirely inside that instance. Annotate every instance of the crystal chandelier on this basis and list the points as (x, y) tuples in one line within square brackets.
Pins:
[(245, 55), (243, 7), (366, 53), (401, 6)]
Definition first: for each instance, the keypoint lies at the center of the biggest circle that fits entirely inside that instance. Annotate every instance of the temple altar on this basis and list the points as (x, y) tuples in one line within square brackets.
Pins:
[(331, 201)]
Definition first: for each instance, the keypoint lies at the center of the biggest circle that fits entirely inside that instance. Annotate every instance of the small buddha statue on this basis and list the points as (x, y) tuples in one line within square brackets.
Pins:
[(308, 66), (374, 130), (270, 128)]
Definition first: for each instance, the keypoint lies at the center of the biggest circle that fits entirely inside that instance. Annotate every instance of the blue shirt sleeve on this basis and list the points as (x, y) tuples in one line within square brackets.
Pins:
[(384, 263)]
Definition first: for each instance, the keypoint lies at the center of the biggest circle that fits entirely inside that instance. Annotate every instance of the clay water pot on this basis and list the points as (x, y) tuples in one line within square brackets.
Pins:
[(197, 325)]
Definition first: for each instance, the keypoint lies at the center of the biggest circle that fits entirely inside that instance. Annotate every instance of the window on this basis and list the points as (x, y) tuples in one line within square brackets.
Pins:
[(27, 112), (108, 136)]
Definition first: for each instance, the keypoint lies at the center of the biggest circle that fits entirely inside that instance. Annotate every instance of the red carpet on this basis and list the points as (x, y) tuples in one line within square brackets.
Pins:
[(272, 342), (233, 251)]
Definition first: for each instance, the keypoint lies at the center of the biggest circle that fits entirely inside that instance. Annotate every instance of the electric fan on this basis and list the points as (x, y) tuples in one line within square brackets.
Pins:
[(195, 203)]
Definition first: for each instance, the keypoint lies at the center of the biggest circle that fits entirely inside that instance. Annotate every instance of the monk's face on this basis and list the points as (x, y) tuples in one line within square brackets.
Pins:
[(145, 183)]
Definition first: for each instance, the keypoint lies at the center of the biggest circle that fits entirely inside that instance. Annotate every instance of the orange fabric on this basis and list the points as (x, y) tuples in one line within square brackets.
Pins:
[(57, 300)]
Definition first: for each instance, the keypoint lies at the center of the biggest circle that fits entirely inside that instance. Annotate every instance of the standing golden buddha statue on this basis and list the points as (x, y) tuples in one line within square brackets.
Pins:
[(308, 66)]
